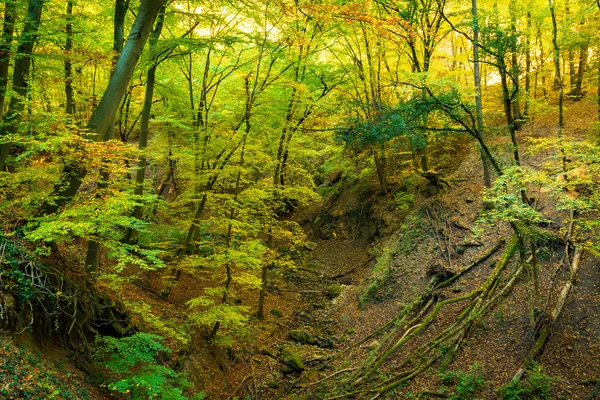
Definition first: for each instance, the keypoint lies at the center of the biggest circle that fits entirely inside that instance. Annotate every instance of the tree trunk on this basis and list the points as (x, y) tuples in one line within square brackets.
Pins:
[(514, 70), (577, 92), (526, 110), (560, 88), (260, 314), (145, 120), (508, 108), (10, 14), (73, 173), (20, 76), (70, 102), (487, 178)]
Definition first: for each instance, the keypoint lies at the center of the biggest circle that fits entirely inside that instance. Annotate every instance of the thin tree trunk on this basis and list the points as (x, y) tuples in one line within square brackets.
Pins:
[(70, 102), (560, 88), (487, 178), (577, 92), (260, 314), (526, 110), (508, 109), (10, 14), (514, 71)]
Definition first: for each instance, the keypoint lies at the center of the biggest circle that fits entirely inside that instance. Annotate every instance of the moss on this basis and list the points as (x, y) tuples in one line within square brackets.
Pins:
[(334, 290)]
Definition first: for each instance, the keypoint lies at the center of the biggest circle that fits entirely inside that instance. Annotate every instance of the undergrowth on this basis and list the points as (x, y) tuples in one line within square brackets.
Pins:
[(134, 366), (536, 385)]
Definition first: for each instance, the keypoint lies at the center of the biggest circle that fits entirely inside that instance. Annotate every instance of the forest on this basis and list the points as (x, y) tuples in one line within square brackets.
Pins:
[(307, 199)]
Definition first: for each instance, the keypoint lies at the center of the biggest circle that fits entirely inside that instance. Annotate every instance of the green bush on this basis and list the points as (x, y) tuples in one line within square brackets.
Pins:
[(465, 384), (131, 367), (535, 386)]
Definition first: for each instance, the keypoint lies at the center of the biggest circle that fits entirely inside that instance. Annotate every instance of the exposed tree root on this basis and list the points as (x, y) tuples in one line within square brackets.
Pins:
[(417, 318), (47, 301)]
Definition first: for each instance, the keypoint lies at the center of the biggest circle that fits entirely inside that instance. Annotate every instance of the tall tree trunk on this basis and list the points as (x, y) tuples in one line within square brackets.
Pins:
[(73, 173), (558, 75), (70, 102), (10, 15), (20, 76), (526, 110), (145, 120), (515, 71), (576, 92), (487, 178), (508, 108)]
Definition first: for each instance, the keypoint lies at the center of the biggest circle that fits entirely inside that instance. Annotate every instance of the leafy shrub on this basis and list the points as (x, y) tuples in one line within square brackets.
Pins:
[(131, 367), (535, 386), (466, 384)]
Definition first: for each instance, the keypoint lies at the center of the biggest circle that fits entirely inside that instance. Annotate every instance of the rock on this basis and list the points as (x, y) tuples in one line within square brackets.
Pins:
[(310, 246), (334, 290), (373, 345), (266, 352), (273, 384), (470, 198), (291, 359), (276, 313), (298, 336), (312, 340), (350, 331)]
